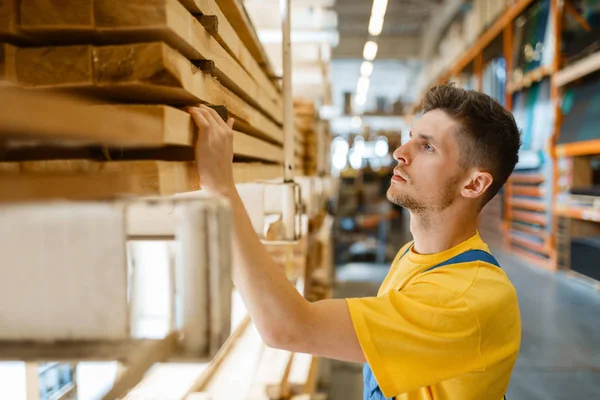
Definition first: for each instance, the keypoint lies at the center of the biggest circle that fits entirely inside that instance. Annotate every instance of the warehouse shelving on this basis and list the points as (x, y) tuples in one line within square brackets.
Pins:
[(86, 145)]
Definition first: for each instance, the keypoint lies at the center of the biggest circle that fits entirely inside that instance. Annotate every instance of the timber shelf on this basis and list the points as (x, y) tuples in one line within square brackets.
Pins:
[(583, 148), (529, 78), (485, 39), (529, 217), (577, 70), (581, 213), (525, 204), (538, 247), (531, 179), (527, 191)]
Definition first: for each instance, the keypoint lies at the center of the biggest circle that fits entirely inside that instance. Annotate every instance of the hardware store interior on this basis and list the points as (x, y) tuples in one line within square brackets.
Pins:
[(118, 273)]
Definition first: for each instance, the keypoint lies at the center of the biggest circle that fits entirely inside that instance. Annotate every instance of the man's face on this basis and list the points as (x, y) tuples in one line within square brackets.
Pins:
[(428, 175)]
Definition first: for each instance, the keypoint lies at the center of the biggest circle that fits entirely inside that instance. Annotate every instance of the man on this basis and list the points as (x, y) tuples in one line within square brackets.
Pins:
[(446, 322)]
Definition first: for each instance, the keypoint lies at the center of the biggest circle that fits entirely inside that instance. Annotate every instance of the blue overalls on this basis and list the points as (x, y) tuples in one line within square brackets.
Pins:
[(371, 388)]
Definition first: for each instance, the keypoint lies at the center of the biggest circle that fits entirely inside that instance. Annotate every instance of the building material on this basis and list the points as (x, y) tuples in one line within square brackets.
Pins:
[(117, 22), (146, 72)]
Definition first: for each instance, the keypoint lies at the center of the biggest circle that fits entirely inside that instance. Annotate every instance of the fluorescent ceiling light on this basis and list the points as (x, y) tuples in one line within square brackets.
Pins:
[(363, 85), (366, 68), (356, 122), (379, 7), (370, 50), (375, 25), (360, 99)]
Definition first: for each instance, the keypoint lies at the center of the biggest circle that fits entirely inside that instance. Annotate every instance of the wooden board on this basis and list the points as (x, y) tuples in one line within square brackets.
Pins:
[(33, 187), (116, 350), (248, 146), (577, 70), (303, 374), (147, 72), (250, 172), (56, 118), (272, 375), (238, 18), (232, 380), (54, 19), (146, 178), (73, 179), (143, 359), (9, 22), (229, 39), (116, 22)]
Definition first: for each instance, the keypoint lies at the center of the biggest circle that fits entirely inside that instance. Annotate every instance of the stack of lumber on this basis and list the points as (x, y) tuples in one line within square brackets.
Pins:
[(307, 132), (142, 60)]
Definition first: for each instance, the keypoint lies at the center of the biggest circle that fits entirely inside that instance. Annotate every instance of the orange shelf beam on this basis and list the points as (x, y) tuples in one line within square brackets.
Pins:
[(529, 191), (580, 20), (581, 213), (531, 230), (529, 78), (533, 205), (533, 258), (530, 244), (585, 148), (529, 217), (526, 178)]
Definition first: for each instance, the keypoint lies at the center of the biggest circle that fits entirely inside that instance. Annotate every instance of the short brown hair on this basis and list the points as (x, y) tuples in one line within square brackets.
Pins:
[(488, 133)]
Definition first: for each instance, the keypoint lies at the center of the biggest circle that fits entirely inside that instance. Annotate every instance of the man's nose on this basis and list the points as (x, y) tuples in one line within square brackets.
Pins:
[(401, 154)]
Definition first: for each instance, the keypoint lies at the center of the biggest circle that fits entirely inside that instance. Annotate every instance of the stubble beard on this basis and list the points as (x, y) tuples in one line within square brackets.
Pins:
[(420, 206)]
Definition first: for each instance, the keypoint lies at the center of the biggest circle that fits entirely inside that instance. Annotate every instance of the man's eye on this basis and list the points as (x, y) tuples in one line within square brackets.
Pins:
[(427, 147)]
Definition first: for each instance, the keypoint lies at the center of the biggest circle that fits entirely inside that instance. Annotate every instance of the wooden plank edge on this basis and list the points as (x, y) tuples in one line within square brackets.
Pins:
[(577, 70), (142, 360), (33, 187), (204, 379)]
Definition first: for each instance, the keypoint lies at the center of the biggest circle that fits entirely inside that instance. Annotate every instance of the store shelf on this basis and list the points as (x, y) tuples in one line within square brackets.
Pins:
[(528, 191), (529, 217), (532, 205), (529, 244), (529, 78), (533, 258), (527, 178), (530, 230), (509, 15), (577, 70), (584, 148), (489, 35), (581, 213)]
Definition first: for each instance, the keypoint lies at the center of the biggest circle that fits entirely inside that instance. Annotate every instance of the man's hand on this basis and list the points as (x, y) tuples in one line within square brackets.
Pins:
[(214, 151)]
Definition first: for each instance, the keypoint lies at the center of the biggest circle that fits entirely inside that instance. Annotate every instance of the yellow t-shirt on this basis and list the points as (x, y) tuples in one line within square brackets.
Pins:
[(450, 333)]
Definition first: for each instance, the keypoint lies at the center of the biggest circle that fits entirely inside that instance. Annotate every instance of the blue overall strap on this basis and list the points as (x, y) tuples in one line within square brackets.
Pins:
[(467, 256)]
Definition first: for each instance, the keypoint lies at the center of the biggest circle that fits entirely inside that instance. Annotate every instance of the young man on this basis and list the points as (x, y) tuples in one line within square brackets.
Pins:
[(446, 322)]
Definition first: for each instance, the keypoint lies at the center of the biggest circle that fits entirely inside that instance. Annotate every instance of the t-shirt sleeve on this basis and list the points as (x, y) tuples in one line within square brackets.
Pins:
[(412, 339)]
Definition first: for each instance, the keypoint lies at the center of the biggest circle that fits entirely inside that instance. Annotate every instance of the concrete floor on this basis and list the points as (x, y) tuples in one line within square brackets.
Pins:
[(560, 350)]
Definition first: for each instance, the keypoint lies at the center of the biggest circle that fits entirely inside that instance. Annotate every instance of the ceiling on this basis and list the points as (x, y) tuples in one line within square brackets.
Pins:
[(328, 37), (400, 39)]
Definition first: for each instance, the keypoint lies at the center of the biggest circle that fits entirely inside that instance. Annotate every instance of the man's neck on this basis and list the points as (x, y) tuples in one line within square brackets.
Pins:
[(442, 231)]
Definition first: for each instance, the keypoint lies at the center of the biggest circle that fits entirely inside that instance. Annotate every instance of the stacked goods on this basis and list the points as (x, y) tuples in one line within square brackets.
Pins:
[(146, 58), (314, 136)]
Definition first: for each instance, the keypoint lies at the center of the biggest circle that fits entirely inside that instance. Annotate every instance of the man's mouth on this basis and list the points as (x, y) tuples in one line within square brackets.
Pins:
[(399, 177)]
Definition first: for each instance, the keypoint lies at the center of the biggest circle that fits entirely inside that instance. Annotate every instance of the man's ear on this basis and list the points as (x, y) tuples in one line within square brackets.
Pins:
[(477, 184)]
